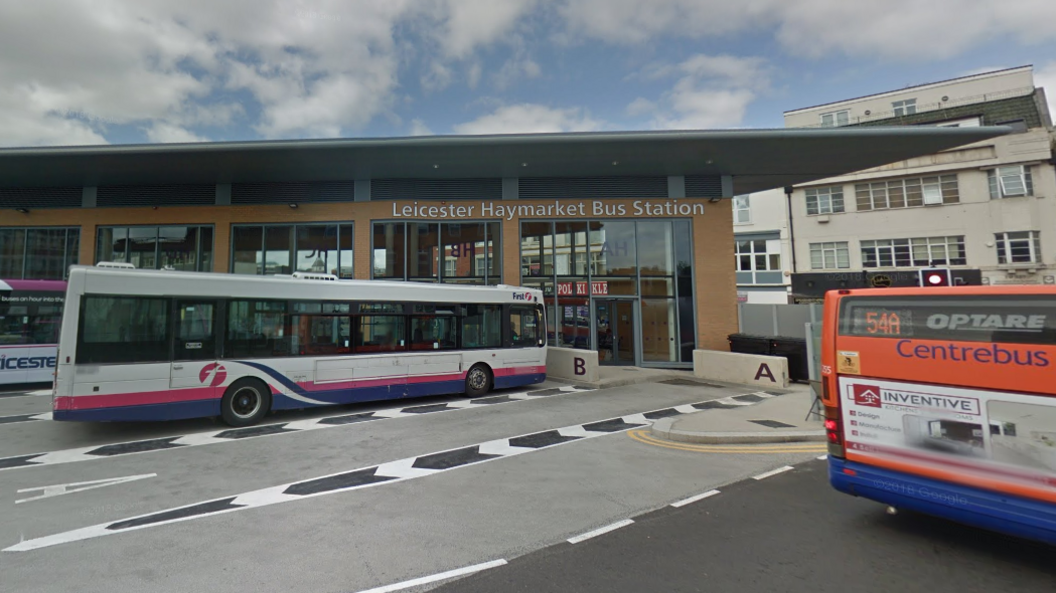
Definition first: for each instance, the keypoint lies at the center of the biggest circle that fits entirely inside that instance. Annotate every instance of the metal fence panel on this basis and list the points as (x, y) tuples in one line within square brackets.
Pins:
[(777, 320)]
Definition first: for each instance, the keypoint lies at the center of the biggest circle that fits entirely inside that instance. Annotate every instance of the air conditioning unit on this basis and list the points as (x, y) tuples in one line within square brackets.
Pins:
[(311, 276), (116, 265)]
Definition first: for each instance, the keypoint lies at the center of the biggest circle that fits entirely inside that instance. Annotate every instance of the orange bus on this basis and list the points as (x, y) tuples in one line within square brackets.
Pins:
[(943, 401)]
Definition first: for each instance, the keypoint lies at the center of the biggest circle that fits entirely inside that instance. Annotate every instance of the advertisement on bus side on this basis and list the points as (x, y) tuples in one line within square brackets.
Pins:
[(1001, 437)]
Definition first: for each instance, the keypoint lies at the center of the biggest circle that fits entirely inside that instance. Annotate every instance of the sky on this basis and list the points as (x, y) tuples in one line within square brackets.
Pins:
[(75, 72)]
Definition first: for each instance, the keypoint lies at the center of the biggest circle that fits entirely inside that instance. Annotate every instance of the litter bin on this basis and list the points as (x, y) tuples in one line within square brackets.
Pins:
[(749, 344), (795, 350)]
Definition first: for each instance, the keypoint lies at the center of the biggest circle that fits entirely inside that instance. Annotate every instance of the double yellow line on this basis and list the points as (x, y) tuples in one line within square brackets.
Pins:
[(643, 436)]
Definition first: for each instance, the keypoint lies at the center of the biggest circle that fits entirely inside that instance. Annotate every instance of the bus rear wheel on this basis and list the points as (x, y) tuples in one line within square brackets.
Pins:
[(478, 380), (245, 403)]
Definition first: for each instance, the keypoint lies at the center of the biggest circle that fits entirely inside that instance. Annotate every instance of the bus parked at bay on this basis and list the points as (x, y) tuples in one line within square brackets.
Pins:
[(163, 345), (942, 401), (30, 312)]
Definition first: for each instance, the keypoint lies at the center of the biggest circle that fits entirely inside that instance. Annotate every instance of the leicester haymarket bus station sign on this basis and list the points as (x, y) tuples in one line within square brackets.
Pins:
[(557, 209)]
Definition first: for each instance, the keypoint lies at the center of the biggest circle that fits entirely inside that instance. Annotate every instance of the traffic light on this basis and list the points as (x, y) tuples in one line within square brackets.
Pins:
[(935, 277)]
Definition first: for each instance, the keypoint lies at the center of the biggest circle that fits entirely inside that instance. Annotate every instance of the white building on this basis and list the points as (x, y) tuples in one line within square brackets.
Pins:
[(987, 211), (760, 229)]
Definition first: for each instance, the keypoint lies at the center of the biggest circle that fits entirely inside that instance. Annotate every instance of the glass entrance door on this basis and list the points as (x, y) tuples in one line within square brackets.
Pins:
[(615, 331)]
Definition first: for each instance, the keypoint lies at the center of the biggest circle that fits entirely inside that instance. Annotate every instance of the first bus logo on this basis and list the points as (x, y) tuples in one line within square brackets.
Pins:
[(213, 374), (866, 395), (522, 296)]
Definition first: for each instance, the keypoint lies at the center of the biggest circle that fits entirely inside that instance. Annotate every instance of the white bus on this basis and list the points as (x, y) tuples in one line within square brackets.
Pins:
[(162, 345), (30, 311)]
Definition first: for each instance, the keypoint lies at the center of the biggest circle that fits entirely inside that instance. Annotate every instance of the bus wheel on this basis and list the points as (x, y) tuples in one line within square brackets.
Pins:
[(245, 402), (478, 380)]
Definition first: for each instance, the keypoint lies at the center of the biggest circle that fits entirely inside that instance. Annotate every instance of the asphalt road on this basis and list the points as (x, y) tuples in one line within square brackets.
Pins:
[(345, 499), (786, 533)]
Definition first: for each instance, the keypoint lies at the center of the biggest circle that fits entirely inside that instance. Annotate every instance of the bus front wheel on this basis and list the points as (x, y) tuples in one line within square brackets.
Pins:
[(478, 380), (245, 402)]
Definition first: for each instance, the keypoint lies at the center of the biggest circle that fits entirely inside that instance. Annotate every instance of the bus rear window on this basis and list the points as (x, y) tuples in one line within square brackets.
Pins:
[(1014, 319)]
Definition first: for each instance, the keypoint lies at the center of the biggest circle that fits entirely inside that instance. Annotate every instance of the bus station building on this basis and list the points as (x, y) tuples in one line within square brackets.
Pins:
[(629, 235)]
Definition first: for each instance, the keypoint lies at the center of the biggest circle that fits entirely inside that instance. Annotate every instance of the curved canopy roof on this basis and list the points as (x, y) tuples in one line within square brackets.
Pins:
[(756, 159)]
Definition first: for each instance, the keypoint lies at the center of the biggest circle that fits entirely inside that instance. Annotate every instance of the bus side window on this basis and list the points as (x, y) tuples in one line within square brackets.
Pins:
[(481, 326), (524, 326)]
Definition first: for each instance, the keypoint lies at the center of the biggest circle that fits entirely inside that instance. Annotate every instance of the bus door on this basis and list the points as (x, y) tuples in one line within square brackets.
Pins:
[(194, 359)]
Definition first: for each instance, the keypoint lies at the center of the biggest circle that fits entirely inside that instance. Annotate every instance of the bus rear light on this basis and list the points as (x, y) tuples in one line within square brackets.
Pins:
[(849, 472)]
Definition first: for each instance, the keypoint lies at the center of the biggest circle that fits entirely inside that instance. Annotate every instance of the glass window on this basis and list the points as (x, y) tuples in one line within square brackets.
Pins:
[(256, 329), (524, 327), (1018, 248), (835, 118), (316, 249), (824, 200), (247, 250), (742, 209), (434, 332), (493, 265), (829, 256), (185, 248), (38, 253), (278, 250), (195, 331), (123, 329), (656, 249), (321, 335), (112, 245), (465, 250), (344, 237), (389, 251), (1008, 182), (284, 249), (537, 249), (12, 252), (615, 241), (905, 107), (482, 326), (423, 250), (24, 320), (379, 333)]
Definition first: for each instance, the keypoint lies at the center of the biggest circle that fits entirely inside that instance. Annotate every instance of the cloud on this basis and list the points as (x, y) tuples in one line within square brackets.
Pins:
[(164, 132), (900, 29), (528, 118), (418, 128), (710, 91), (463, 25), (515, 70)]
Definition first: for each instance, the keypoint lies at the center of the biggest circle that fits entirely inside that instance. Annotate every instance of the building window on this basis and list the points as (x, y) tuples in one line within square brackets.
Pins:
[(573, 262), (922, 251), (285, 249), (184, 248), (906, 107), (907, 193), (1008, 182), (742, 210), (825, 200), (758, 261), (38, 253), (1018, 248), (830, 256), (835, 118), (451, 252)]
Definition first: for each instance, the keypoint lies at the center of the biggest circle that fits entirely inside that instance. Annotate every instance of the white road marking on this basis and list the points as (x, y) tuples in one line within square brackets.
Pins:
[(44, 416), (400, 470), (693, 499), (773, 472), (210, 438), (60, 489), (686, 409), (729, 401), (822, 458), (602, 531), (436, 577), (404, 468), (636, 419)]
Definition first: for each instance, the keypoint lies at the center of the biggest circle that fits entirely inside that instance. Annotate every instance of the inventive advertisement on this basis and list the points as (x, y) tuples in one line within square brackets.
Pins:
[(986, 434)]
